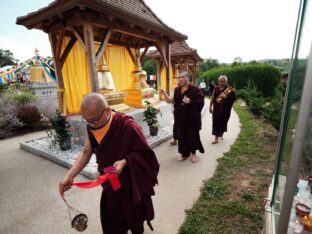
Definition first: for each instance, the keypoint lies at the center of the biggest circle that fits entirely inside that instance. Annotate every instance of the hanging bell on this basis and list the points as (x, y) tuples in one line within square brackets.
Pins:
[(80, 222)]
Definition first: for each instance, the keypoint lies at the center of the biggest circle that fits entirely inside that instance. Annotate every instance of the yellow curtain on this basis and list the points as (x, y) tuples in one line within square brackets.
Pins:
[(75, 76), (120, 64), (163, 78)]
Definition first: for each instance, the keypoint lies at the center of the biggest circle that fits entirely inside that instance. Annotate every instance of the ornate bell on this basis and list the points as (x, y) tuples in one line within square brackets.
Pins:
[(105, 78), (80, 222)]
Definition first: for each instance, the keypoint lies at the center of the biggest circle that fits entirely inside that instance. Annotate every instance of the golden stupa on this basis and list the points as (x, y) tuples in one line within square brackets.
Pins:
[(139, 91), (116, 100)]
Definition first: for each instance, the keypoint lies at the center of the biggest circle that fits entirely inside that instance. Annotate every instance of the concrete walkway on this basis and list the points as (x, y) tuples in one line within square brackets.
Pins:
[(30, 203)]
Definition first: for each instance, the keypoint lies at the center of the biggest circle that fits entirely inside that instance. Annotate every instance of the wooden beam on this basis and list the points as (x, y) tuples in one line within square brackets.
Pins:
[(79, 37), (143, 54), (101, 22), (168, 67), (131, 54), (59, 44), (160, 49), (101, 50), (58, 72), (89, 42), (68, 48)]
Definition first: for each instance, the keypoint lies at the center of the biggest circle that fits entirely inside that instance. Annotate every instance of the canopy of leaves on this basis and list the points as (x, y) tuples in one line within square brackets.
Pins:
[(6, 58)]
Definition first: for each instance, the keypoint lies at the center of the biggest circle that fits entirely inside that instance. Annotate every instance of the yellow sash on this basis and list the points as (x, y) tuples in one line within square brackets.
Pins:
[(227, 91)]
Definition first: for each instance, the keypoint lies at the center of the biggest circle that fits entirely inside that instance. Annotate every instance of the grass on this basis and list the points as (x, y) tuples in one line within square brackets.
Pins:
[(233, 200)]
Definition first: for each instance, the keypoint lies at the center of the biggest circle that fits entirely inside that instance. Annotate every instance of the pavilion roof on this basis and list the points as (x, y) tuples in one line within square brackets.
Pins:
[(178, 49), (130, 13)]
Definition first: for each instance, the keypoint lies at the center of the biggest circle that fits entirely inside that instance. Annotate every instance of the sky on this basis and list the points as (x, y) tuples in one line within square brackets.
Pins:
[(220, 29)]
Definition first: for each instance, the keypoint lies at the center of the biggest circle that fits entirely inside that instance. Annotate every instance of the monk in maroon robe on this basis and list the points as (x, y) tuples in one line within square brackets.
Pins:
[(116, 139), (188, 102), (221, 104)]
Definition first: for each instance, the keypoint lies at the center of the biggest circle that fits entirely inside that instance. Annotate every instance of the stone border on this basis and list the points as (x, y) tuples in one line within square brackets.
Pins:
[(90, 171), (67, 158)]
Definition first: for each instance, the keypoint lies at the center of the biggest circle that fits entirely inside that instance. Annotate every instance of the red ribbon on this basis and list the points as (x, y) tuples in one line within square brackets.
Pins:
[(113, 179)]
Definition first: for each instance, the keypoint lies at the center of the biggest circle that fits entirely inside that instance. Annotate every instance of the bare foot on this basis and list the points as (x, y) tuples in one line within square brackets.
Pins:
[(194, 158), (215, 142), (173, 142), (180, 158)]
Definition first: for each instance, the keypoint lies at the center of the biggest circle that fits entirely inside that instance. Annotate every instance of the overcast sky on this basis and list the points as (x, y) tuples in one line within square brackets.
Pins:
[(221, 29)]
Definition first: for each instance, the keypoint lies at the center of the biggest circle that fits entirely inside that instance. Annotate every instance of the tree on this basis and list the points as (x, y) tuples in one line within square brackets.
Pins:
[(6, 58), (150, 66), (208, 64)]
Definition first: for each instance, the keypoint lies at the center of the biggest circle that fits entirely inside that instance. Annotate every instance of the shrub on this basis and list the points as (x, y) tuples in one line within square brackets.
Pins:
[(266, 78), (150, 115), (8, 117), (23, 98), (269, 108), (18, 110), (60, 128), (272, 111), (29, 115)]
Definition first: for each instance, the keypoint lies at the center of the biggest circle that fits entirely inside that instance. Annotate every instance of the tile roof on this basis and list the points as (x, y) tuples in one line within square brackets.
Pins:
[(133, 8), (177, 49)]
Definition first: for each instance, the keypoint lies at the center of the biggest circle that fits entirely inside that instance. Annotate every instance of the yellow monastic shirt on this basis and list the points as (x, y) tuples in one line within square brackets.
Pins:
[(99, 134)]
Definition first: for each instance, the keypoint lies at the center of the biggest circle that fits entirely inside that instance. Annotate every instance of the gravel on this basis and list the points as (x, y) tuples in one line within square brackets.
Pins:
[(42, 147)]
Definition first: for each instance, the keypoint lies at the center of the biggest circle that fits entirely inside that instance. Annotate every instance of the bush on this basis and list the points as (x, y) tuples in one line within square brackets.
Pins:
[(266, 78), (8, 117), (269, 108), (272, 111), (29, 115), (18, 110), (23, 98)]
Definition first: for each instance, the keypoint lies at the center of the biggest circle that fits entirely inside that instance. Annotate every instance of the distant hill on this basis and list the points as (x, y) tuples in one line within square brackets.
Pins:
[(281, 64)]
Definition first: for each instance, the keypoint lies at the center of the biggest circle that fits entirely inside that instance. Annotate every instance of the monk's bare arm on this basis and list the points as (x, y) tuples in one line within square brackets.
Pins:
[(168, 99), (80, 163)]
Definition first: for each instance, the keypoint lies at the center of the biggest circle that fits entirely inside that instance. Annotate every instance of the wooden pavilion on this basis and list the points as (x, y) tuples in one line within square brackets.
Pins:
[(129, 23), (183, 57)]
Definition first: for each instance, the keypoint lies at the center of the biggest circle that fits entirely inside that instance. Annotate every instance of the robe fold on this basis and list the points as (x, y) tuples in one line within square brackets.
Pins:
[(188, 120), (221, 111), (130, 206)]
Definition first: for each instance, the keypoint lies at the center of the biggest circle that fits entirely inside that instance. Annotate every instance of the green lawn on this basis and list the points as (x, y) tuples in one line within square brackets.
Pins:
[(233, 200)]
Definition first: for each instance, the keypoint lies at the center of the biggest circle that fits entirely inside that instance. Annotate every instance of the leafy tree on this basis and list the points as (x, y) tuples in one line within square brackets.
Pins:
[(208, 64), (6, 58), (150, 66)]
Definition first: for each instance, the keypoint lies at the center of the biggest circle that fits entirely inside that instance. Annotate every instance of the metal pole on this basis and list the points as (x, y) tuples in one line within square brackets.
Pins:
[(297, 149)]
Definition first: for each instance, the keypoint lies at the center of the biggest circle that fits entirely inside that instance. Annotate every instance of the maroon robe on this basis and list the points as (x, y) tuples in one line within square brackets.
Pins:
[(175, 130), (188, 120), (221, 111), (131, 205)]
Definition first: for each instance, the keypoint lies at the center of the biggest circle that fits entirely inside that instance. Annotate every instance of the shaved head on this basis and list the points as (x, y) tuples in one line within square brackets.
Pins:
[(92, 102), (95, 110)]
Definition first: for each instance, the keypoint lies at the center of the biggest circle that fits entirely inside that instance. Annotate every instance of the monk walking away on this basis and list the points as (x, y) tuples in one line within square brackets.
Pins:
[(188, 102), (221, 104), (117, 140)]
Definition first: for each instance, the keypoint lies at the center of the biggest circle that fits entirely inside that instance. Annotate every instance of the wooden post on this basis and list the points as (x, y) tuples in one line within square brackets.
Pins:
[(89, 42), (168, 67), (58, 71), (194, 69), (159, 69)]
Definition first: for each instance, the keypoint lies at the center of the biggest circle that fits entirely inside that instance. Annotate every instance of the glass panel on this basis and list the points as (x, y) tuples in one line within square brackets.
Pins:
[(301, 51)]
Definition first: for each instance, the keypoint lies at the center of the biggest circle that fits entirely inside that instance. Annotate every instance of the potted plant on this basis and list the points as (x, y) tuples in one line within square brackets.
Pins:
[(150, 117), (60, 131)]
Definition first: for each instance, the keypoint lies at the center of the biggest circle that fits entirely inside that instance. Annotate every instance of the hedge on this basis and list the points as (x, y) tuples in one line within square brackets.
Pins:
[(265, 78)]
